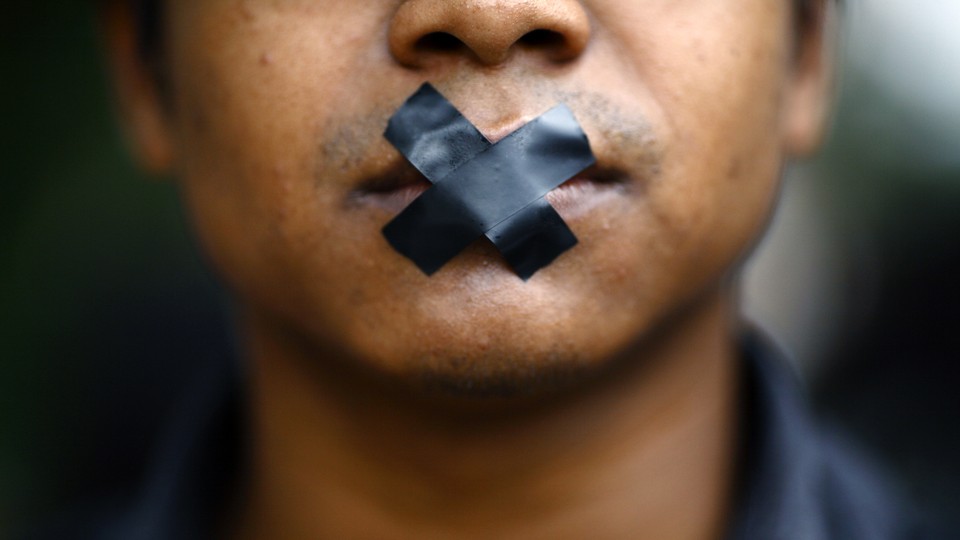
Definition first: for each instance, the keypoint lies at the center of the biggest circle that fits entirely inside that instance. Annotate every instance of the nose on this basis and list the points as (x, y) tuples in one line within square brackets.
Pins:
[(488, 31)]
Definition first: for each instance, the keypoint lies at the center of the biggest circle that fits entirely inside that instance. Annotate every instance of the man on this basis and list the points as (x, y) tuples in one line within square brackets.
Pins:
[(610, 395)]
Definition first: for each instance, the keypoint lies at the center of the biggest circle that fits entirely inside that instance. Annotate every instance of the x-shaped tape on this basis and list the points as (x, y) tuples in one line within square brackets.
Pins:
[(481, 188)]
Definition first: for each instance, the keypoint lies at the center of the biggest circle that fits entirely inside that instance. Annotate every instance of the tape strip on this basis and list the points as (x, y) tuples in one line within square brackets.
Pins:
[(481, 188), (432, 134)]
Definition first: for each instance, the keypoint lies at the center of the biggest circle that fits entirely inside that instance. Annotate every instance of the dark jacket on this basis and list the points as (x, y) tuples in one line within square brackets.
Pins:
[(797, 480)]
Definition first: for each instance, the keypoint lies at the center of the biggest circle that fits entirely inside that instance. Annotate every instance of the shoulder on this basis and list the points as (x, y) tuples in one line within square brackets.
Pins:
[(859, 500), (196, 467), (803, 480)]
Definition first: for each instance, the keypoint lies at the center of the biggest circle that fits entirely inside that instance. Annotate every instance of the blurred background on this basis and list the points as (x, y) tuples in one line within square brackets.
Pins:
[(105, 302)]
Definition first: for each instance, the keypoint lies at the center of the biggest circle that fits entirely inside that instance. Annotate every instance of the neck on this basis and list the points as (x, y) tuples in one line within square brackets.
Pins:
[(647, 453)]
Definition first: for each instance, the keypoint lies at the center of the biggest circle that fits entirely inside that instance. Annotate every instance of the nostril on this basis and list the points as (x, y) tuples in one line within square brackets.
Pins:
[(547, 39), (432, 32), (439, 42)]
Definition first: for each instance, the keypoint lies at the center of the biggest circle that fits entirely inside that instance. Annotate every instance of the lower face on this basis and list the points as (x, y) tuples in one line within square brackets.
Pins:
[(279, 109)]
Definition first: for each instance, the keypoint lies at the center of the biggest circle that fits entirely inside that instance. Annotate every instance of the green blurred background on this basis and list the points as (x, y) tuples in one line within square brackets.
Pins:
[(105, 303)]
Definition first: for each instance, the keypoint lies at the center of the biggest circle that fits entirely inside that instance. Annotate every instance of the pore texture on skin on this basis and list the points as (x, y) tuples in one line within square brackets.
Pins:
[(280, 110)]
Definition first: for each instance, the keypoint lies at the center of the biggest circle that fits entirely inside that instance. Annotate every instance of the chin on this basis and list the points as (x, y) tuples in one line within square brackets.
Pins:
[(511, 357), (499, 374), (525, 379)]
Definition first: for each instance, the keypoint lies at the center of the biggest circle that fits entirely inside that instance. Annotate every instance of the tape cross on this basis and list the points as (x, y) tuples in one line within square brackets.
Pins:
[(480, 188)]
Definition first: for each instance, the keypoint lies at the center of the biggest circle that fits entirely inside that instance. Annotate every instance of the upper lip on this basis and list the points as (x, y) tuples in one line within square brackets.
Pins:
[(398, 174)]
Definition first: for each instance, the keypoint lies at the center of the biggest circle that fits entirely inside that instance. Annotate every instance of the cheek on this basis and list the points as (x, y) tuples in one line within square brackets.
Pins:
[(725, 114), (714, 80), (253, 84)]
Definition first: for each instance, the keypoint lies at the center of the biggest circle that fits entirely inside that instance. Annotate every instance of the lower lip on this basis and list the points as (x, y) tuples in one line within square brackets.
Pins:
[(579, 196), (572, 199)]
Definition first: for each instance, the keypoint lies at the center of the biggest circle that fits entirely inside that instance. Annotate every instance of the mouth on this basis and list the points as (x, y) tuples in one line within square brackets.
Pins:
[(392, 189), (395, 187)]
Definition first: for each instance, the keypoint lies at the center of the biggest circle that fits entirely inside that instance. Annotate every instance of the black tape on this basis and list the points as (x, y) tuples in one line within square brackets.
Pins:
[(481, 188)]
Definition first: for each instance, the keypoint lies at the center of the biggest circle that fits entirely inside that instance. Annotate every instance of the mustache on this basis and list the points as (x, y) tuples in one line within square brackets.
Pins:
[(351, 150)]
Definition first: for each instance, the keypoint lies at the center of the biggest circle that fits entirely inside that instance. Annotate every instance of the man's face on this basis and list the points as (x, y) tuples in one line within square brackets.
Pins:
[(278, 109)]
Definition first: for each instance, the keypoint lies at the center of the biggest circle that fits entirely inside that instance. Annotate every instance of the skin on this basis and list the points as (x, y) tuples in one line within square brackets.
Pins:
[(598, 399)]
